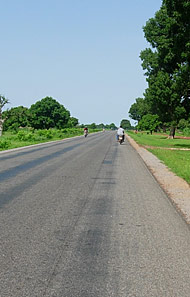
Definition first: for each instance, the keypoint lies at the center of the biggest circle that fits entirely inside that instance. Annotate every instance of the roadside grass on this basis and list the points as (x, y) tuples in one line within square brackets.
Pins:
[(159, 140), (26, 137), (178, 161)]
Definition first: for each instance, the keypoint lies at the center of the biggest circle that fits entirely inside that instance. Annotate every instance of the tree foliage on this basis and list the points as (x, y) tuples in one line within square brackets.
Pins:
[(125, 124), (16, 117), (138, 109), (167, 63), (92, 126), (48, 113), (149, 122), (112, 126), (100, 126), (73, 122)]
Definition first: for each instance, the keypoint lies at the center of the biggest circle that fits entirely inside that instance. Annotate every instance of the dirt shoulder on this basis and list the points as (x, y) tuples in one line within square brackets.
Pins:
[(175, 187)]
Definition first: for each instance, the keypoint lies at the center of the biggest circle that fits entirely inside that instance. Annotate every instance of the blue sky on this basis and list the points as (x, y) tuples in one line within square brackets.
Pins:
[(83, 53)]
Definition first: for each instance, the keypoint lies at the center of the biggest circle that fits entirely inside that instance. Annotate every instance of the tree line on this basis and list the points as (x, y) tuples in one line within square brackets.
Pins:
[(166, 101), (44, 114), (124, 123)]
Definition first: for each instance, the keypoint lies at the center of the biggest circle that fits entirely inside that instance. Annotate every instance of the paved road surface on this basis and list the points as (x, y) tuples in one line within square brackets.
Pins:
[(84, 218)]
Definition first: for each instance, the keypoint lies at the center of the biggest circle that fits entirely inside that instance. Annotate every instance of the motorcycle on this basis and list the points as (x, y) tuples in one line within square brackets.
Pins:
[(120, 139), (85, 133)]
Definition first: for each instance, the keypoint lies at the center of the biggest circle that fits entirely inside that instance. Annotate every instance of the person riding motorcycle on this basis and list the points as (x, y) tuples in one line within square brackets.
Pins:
[(85, 131), (121, 132)]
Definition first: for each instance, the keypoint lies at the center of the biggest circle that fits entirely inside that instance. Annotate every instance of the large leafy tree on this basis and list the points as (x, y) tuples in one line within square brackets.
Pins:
[(3, 102), (73, 122), (100, 126), (112, 126), (138, 109), (16, 117), (179, 12), (125, 124), (149, 122), (163, 99), (48, 113), (167, 62), (92, 126)]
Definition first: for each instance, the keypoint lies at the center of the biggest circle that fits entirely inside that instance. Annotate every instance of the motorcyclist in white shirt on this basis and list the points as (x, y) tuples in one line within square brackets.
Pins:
[(121, 132)]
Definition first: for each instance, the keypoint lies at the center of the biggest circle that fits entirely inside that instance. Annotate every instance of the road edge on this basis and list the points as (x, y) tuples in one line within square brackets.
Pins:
[(177, 189)]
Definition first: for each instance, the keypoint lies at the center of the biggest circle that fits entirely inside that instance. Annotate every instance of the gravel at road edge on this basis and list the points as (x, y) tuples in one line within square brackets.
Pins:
[(177, 189)]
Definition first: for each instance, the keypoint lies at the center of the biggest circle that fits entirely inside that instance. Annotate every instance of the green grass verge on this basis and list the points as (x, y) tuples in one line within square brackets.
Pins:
[(159, 140), (177, 161)]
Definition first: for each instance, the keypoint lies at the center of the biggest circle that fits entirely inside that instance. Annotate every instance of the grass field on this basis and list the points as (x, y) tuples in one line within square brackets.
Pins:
[(159, 140), (27, 137), (177, 160)]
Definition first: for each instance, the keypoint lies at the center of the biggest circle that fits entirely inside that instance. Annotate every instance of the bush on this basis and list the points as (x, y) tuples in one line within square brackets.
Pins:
[(40, 132), (14, 127), (183, 124), (21, 135), (49, 134), (186, 131), (24, 136), (29, 137), (4, 144)]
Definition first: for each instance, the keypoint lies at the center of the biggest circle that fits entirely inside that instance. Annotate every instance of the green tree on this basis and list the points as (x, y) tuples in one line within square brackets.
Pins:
[(138, 109), (16, 117), (163, 100), (179, 12), (73, 122), (48, 113), (167, 64), (112, 126), (3, 102), (149, 122), (101, 126), (92, 126), (125, 124), (183, 124)]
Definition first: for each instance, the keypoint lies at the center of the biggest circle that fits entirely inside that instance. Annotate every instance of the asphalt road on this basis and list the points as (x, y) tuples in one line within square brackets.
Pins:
[(83, 218)]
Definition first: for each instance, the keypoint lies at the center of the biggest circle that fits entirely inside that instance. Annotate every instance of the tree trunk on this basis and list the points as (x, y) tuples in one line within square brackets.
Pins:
[(1, 125), (172, 133)]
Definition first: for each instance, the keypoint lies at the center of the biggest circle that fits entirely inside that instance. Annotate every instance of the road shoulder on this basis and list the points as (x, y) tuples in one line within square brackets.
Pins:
[(175, 187)]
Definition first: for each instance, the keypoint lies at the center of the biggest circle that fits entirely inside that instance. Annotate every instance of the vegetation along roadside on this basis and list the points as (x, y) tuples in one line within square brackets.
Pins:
[(175, 153), (25, 137)]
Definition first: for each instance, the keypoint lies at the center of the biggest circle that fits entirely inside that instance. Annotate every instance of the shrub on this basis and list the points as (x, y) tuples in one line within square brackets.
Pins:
[(49, 134), (4, 144), (24, 136), (40, 132), (64, 131), (183, 124), (29, 136), (21, 135), (186, 131)]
